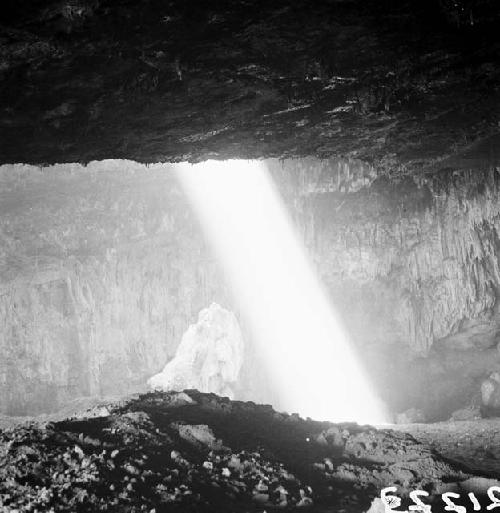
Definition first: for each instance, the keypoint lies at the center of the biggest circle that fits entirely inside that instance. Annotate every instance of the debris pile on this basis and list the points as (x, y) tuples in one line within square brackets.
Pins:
[(199, 452)]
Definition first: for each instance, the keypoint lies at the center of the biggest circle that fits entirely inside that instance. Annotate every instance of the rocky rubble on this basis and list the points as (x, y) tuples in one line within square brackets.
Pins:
[(102, 269), (199, 452)]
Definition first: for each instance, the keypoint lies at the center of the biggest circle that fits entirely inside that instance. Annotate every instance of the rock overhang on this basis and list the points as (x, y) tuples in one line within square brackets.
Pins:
[(398, 84)]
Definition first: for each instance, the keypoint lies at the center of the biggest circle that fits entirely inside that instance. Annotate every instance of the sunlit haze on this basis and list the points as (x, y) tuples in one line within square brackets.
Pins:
[(296, 331)]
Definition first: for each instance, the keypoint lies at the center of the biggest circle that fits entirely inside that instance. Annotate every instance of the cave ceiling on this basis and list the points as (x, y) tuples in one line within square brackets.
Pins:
[(401, 84)]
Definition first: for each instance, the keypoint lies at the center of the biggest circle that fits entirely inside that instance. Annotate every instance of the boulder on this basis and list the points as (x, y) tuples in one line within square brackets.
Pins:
[(198, 434), (490, 395), (209, 357)]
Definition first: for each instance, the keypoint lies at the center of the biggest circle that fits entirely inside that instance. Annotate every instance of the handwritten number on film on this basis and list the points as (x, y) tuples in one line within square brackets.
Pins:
[(391, 502)]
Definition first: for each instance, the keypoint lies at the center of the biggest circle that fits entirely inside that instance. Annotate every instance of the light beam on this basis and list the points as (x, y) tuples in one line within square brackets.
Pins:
[(296, 331)]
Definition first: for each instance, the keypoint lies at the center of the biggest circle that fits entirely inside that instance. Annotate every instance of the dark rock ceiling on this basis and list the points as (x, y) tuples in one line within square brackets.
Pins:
[(400, 83)]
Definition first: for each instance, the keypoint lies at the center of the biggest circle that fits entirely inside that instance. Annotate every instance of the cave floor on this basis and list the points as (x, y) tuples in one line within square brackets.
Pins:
[(475, 444), (199, 452)]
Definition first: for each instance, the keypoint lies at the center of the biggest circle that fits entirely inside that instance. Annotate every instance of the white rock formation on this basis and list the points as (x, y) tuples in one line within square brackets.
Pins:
[(209, 357)]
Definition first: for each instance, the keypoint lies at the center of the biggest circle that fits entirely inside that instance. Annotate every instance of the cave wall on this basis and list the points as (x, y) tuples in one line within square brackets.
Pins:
[(408, 260), (101, 271), (103, 267), (412, 266)]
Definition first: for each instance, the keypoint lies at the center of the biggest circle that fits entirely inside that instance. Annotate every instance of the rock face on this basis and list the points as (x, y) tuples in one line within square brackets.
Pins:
[(412, 265), (425, 247), (397, 82), (103, 268), (209, 357), (490, 394), (101, 271)]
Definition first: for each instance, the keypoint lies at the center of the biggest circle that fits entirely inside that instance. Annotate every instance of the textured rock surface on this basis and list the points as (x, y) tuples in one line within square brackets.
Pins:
[(99, 269), (103, 268), (399, 82), (209, 357), (412, 264), (490, 394), (214, 455), (425, 247)]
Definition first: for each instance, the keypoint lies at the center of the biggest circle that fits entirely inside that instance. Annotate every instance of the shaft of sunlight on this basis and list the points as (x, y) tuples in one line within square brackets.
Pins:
[(296, 330)]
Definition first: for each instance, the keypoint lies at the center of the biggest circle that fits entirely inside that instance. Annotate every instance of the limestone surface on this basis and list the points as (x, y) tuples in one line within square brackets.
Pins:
[(209, 357)]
